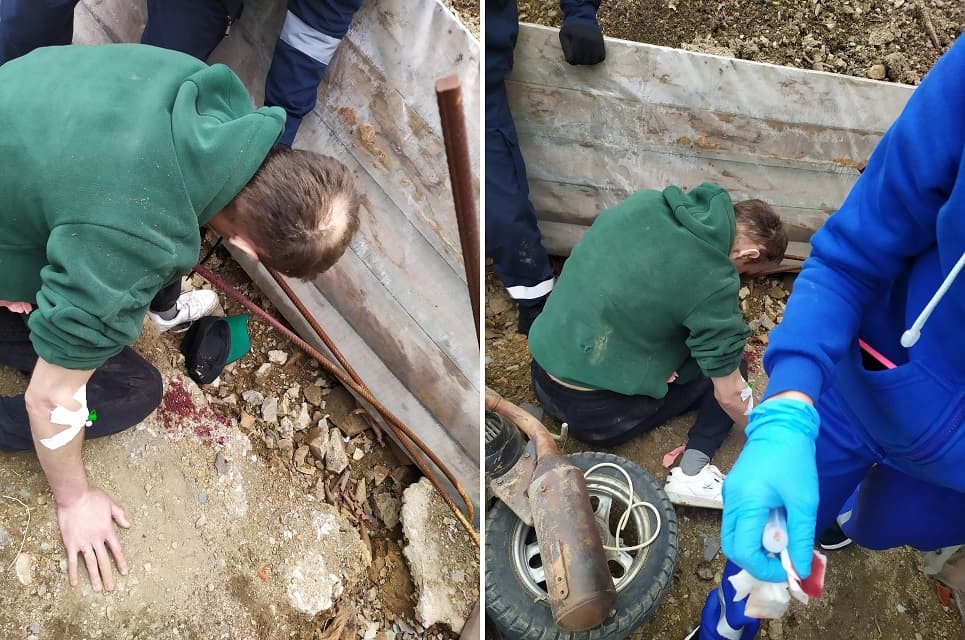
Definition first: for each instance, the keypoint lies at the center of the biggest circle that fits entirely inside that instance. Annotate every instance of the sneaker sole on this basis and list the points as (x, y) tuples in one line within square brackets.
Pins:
[(692, 501)]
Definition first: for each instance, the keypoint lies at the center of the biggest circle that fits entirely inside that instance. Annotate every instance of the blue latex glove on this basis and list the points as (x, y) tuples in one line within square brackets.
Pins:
[(775, 469)]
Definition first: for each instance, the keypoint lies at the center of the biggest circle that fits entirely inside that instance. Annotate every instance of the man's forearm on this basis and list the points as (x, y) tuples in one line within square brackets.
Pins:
[(52, 387), (64, 467)]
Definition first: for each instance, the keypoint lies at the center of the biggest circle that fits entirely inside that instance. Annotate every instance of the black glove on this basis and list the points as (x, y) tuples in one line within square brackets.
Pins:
[(582, 43)]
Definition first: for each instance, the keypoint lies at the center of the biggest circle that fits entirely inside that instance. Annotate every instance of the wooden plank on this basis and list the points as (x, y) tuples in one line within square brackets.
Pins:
[(660, 75), (559, 238), (652, 116), (683, 129), (100, 22)]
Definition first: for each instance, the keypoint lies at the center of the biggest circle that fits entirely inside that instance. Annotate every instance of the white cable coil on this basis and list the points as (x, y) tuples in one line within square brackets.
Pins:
[(631, 505)]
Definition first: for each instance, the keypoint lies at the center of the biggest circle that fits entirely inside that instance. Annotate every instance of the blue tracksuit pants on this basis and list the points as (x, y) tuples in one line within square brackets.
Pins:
[(312, 31)]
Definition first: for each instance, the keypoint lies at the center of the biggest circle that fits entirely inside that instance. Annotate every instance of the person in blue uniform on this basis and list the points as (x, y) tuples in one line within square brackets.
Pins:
[(512, 238), (308, 39), (886, 270)]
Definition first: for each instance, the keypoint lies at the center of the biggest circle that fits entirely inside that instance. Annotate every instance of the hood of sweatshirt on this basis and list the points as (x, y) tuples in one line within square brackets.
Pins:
[(707, 212), (219, 140)]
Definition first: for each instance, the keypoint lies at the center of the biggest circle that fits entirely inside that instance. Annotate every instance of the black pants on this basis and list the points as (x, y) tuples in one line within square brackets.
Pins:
[(608, 418), (123, 391)]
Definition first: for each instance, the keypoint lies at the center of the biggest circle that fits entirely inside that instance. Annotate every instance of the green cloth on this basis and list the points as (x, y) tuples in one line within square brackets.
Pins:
[(649, 290), (112, 156)]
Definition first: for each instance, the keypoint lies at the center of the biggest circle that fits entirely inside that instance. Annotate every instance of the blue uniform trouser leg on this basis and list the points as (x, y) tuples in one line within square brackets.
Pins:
[(512, 238), (311, 34), (28, 24), (194, 27)]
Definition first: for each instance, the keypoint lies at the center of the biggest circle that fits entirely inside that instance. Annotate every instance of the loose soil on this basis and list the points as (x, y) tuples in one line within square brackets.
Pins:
[(850, 37), (468, 12), (222, 516)]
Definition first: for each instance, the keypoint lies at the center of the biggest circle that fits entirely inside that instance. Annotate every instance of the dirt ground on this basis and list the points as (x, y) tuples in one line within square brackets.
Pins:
[(240, 530), (468, 12), (894, 39), (875, 595)]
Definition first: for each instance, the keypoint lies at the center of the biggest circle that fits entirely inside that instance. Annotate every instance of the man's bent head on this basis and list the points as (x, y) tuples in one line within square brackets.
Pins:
[(761, 238), (298, 213)]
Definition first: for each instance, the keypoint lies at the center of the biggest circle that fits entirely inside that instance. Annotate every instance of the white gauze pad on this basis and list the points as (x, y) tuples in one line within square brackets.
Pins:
[(74, 420)]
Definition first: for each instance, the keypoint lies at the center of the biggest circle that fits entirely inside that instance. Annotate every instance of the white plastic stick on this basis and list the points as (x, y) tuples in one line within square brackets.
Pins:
[(774, 539)]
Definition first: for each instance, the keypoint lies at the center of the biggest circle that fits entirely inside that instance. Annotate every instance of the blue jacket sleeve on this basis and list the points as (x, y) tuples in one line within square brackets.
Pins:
[(889, 217), (312, 32), (580, 11)]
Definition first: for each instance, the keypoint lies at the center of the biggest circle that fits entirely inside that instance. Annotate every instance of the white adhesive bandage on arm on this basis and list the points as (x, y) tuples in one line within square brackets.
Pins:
[(73, 419), (747, 395)]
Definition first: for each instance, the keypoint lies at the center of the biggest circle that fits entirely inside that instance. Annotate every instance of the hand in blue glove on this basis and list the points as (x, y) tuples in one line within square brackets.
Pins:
[(775, 469), (582, 42)]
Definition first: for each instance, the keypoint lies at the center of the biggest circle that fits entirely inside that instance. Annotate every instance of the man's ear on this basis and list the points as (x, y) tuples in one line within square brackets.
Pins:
[(245, 245), (749, 254)]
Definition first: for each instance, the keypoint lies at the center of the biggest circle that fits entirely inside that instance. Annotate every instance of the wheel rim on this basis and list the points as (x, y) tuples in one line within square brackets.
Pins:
[(608, 496)]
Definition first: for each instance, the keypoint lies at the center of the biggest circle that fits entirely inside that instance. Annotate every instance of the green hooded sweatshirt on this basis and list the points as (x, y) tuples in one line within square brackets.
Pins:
[(649, 290), (110, 159)]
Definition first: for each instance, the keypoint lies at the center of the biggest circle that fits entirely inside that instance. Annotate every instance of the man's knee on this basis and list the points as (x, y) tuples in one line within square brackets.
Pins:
[(148, 389), (154, 388), (123, 391)]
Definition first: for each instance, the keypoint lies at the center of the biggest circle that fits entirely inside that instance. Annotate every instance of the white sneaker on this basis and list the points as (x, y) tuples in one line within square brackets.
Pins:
[(191, 306), (701, 490)]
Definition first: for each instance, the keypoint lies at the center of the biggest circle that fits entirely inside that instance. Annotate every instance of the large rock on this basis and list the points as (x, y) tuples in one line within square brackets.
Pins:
[(442, 559), (330, 559)]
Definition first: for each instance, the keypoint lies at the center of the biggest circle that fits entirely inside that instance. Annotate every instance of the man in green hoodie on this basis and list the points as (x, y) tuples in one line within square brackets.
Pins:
[(112, 157), (645, 324)]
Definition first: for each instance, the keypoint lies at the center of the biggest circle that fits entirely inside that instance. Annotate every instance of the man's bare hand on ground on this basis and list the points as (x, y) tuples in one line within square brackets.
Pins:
[(727, 391), (87, 528), (86, 514)]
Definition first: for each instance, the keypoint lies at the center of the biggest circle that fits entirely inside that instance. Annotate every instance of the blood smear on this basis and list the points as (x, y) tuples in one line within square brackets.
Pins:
[(814, 584)]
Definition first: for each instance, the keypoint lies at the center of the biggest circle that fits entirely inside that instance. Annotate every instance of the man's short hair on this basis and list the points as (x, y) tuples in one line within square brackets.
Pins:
[(760, 224), (300, 210)]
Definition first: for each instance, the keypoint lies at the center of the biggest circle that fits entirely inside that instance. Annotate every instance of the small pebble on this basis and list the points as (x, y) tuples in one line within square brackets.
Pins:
[(202, 497), (221, 463)]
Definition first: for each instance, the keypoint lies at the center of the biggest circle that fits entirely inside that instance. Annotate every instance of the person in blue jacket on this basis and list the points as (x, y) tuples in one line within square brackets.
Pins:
[(512, 238), (884, 269), (308, 39)]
